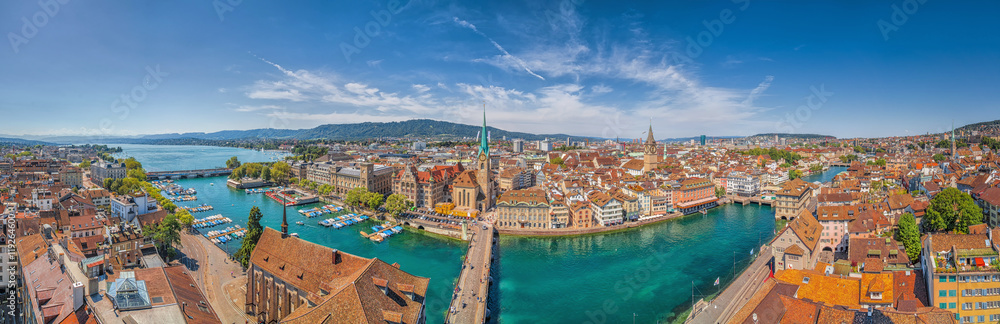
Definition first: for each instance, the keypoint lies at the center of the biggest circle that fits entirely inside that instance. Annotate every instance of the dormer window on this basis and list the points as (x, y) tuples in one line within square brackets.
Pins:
[(875, 295), (382, 285)]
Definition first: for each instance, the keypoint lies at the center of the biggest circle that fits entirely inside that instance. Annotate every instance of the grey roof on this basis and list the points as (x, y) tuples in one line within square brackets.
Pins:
[(128, 293)]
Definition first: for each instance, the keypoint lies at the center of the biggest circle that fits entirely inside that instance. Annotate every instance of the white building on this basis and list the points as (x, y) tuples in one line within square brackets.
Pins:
[(607, 210), (742, 184), (41, 198), (419, 146), (518, 146), (127, 207)]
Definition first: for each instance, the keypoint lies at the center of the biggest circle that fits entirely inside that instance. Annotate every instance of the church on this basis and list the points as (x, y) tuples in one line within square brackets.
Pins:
[(476, 190), (650, 159)]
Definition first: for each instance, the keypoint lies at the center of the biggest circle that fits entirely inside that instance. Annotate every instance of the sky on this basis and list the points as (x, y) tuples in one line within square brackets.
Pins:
[(582, 67)]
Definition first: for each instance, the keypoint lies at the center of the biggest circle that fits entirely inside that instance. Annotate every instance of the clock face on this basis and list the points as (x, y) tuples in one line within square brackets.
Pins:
[(482, 157)]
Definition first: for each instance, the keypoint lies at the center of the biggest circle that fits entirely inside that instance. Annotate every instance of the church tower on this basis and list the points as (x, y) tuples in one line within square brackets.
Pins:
[(650, 159), (484, 174)]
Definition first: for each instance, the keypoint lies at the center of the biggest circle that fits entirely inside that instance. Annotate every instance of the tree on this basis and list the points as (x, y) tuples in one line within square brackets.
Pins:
[(325, 189), (138, 174), (938, 157), (848, 158), (720, 191), (280, 172), (85, 164), (131, 164), (266, 174), (908, 233), (397, 204), (952, 210), (185, 218), (167, 234), (556, 160), (816, 168), (107, 183), (794, 174), (373, 200), (232, 163), (254, 230), (356, 196)]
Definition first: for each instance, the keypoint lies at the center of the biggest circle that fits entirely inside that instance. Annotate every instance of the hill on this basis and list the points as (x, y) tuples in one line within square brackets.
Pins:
[(787, 135), (7, 141), (416, 128)]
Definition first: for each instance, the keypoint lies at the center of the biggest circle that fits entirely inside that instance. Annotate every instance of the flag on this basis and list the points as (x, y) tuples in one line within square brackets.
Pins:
[(717, 281)]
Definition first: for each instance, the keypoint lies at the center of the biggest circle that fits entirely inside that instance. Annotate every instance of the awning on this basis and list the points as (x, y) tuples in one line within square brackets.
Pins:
[(979, 262)]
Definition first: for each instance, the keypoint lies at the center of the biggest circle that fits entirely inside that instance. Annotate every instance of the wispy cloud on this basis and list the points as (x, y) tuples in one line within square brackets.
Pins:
[(756, 92), (506, 55)]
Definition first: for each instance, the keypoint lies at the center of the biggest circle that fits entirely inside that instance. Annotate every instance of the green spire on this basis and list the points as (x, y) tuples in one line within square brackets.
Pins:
[(484, 144)]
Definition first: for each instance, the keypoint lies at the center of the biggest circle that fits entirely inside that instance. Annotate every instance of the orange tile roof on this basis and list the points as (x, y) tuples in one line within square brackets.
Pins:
[(822, 288)]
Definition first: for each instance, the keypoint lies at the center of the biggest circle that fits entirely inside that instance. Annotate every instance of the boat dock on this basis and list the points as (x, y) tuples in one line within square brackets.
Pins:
[(343, 221), (211, 221), (221, 236), (313, 212), (183, 198), (381, 232), (198, 209), (469, 302)]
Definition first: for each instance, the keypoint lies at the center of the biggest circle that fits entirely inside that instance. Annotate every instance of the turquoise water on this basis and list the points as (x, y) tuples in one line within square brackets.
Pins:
[(824, 176), (603, 278), (191, 157), (647, 272), (421, 255)]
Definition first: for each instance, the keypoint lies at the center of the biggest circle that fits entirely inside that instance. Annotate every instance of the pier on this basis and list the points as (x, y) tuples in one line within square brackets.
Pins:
[(184, 174), (468, 304), (225, 233)]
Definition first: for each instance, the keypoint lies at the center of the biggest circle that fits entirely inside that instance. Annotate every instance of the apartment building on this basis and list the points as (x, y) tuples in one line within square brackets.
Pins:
[(792, 199), (961, 277), (100, 170), (523, 209)]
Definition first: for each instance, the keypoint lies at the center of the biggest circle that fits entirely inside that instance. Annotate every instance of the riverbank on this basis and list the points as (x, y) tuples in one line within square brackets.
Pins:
[(570, 232)]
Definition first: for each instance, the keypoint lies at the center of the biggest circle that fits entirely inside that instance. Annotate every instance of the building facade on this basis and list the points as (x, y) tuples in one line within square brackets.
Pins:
[(100, 170), (792, 199), (523, 209)]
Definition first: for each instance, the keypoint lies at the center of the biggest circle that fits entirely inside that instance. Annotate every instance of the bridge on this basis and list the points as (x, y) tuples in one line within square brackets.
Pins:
[(468, 304), (204, 173), (839, 164), (748, 200)]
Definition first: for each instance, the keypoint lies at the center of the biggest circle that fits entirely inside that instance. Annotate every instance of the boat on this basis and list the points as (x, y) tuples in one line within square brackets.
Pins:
[(294, 234), (300, 223)]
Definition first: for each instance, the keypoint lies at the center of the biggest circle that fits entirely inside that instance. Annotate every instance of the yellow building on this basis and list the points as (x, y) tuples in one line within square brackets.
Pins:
[(960, 275)]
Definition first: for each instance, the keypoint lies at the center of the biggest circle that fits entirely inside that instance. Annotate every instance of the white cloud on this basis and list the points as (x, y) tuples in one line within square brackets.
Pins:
[(600, 88), (421, 88), (756, 92), (374, 63), (248, 108), (506, 55)]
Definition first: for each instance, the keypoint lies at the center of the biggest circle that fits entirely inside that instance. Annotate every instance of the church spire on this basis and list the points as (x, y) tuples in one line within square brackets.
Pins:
[(484, 143), (649, 137)]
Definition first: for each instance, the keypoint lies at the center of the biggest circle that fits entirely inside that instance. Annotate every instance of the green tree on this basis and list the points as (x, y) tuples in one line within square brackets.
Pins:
[(794, 174), (185, 218), (107, 183), (131, 164), (720, 191), (85, 164), (138, 174), (952, 210), (167, 234), (397, 204), (374, 200), (254, 230), (908, 233), (266, 174), (848, 158), (556, 160), (816, 168), (938, 157), (232, 163), (325, 189), (280, 172), (356, 196)]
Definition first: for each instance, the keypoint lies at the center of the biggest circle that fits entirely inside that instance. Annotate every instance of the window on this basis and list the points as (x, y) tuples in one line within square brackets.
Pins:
[(951, 305), (951, 278), (942, 279), (951, 293), (942, 293)]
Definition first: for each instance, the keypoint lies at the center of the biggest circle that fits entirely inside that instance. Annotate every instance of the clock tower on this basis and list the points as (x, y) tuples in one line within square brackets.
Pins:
[(649, 157)]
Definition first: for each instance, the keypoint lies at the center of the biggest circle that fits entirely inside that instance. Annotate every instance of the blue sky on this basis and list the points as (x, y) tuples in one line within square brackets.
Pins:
[(584, 67)]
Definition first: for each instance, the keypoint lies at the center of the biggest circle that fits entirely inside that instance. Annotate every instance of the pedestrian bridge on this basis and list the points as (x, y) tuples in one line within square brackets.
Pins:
[(183, 174)]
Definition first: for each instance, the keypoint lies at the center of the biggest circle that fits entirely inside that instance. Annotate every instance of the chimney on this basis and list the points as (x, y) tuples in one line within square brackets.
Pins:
[(78, 295), (336, 256)]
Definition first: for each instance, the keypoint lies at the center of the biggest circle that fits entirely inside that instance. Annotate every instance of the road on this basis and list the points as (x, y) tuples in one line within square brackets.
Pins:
[(469, 302), (723, 307), (213, 271)]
